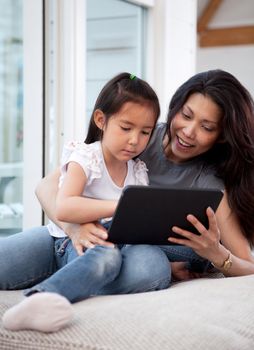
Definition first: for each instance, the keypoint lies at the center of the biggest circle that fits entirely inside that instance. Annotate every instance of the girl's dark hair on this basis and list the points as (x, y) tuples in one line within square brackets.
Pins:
[(121, 89), (233, 159)]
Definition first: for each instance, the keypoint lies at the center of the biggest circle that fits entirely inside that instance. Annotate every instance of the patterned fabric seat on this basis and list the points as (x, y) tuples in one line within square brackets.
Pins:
[(202, 314)]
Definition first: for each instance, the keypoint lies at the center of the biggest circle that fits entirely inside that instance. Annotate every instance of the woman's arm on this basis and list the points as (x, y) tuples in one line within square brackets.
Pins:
[(46, 192), (222, 240)]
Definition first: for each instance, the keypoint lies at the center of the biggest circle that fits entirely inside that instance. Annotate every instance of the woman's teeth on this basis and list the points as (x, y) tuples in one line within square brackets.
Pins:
[(182, 143)]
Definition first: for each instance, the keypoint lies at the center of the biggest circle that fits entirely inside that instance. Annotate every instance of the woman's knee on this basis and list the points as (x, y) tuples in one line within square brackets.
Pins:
[(24, 256)]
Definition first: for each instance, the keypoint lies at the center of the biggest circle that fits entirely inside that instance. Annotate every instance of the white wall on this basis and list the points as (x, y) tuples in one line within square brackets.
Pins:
[(237, 59)]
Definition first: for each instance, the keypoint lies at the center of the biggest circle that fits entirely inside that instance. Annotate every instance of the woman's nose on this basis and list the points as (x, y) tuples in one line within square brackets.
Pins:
[(190, 131)]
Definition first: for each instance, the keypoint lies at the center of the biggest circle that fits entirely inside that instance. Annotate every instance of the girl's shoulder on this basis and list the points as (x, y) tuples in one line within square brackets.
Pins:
[(82, 147), (89, 156), (89, 151)]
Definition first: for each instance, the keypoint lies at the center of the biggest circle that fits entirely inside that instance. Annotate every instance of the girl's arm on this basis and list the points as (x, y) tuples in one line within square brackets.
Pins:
[(82, 236), (222, 240), (71, 206)]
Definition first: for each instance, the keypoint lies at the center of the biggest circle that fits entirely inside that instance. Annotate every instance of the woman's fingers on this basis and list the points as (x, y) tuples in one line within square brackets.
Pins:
[(213, 226)]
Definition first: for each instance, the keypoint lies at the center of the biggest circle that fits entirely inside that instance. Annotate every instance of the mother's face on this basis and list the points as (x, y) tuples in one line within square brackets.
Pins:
[(194, 129)]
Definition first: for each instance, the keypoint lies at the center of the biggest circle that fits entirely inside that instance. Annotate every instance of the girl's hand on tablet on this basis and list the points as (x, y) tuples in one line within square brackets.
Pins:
[(88, 236)]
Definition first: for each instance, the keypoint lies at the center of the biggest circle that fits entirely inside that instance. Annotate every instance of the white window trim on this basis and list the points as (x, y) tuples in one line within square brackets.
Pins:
[(33, 109), (166, 61), (145, 3), (70, 76)]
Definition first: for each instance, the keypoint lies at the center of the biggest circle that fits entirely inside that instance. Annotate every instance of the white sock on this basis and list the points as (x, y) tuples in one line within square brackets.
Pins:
[(44, 312)]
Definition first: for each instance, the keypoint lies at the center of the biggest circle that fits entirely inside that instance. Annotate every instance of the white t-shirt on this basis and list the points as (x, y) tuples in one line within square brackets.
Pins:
[(99, 183)]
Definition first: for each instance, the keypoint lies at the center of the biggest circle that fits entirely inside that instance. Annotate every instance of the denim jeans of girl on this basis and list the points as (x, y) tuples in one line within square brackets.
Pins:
[(35, 260)]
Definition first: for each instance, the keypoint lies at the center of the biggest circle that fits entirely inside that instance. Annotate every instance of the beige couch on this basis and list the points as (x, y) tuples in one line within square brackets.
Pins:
[(204, 314)]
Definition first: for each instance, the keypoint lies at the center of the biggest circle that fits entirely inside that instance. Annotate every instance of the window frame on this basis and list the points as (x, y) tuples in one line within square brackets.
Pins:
[(33, 109)]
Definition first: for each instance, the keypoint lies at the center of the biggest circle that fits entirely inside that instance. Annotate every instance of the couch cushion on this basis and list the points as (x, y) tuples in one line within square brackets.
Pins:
[(200, 314)]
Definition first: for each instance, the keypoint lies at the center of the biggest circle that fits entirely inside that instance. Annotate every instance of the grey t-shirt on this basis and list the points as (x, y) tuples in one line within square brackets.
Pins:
[(161, 171)]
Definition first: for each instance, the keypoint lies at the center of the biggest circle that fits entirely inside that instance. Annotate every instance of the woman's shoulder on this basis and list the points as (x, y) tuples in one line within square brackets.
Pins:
[(160, 128), (208, 178)]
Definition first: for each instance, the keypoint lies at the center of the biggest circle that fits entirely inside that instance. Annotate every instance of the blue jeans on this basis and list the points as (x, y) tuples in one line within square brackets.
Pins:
[(33, 259), (194, 262)]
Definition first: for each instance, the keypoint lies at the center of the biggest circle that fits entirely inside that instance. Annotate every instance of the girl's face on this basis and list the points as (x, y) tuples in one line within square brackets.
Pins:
[(126, 133), (194, 129)]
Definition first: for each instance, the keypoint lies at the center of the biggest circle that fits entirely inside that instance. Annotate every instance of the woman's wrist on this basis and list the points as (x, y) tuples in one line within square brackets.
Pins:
[(223, 261)]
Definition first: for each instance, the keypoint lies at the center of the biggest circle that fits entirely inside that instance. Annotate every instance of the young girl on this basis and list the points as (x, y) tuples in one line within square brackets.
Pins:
[(93, 176)]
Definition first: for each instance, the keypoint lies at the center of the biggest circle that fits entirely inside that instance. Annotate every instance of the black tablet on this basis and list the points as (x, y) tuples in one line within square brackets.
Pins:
[(146, 214)]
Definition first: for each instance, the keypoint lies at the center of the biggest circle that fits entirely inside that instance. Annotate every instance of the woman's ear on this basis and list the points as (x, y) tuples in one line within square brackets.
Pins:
[(99, 119), (221, 139)]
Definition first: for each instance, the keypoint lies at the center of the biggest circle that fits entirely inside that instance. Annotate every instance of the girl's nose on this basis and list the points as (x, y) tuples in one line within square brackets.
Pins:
[(133, 140)]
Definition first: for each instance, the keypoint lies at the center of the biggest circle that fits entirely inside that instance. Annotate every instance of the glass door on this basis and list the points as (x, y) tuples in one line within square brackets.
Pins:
[(11, 116)]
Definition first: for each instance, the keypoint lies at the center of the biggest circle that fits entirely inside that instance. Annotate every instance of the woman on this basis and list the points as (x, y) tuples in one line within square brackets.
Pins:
[(207, 142)]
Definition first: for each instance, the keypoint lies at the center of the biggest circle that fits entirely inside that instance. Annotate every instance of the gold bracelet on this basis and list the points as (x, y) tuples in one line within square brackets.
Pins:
[(226, 264)]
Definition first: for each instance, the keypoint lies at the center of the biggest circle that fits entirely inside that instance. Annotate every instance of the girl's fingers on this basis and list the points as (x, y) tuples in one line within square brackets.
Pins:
[(79, 248), (86, 243), (98, 241), (100, 233)]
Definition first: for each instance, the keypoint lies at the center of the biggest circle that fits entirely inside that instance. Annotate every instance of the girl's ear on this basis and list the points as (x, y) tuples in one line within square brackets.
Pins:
[(99, 119)]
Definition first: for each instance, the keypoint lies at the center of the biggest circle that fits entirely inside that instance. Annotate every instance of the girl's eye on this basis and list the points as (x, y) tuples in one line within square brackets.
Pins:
[(125, 129), (146, 132)]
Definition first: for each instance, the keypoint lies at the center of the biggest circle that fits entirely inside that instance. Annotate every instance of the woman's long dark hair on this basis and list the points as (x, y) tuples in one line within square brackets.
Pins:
[(123, 88), (233, 158)]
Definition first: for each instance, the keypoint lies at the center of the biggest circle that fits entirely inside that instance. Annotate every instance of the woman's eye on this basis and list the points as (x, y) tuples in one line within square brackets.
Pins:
[(146, 132), (208, 128), (186, 116)]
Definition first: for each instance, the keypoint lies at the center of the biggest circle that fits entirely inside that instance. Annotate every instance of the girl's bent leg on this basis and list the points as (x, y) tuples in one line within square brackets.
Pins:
[(144, 268), (26, 258), (84, 275)]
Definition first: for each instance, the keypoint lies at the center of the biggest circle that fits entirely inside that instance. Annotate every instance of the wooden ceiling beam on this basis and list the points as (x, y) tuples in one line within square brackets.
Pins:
[(227, 36), (207, 14)]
